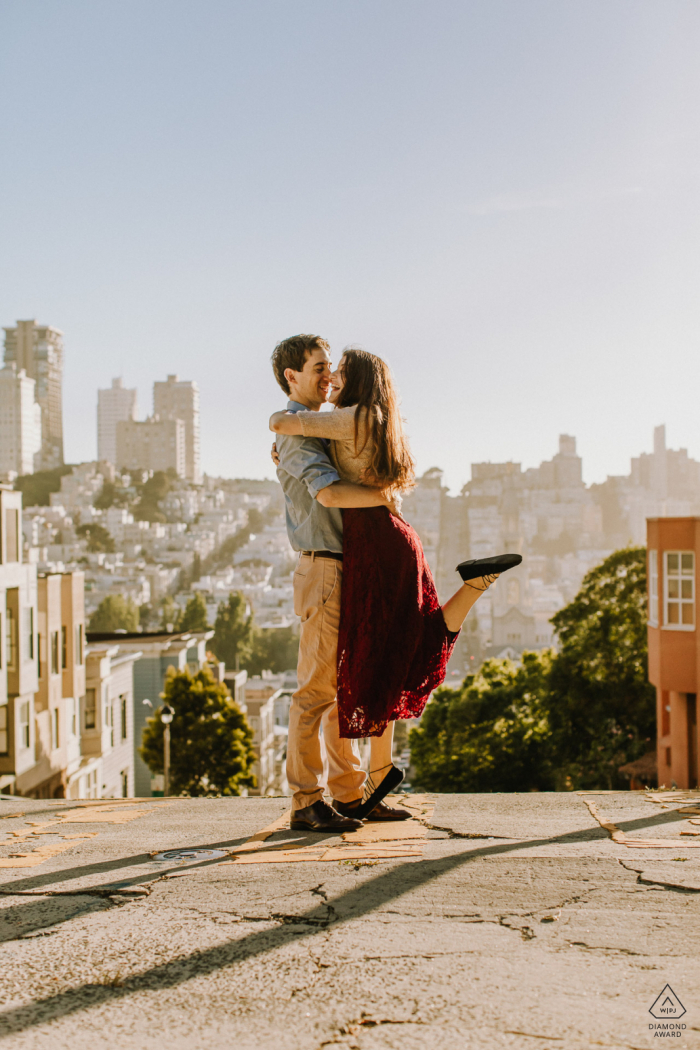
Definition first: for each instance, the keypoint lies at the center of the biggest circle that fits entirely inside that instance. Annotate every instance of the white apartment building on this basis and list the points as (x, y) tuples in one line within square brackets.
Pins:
[(107, 725), (156, 444), (116, 404), (20, 422), (18, 647), (38, 349), (179, 399)]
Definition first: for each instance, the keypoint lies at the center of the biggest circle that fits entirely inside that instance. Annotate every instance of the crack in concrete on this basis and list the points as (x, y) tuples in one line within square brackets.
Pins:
[(604, 948), (352, 1028), (674, 886), (461, 834), (307, 920)]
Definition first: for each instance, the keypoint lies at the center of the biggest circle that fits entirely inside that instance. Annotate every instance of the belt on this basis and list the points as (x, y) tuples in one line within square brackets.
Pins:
[(323, 554)]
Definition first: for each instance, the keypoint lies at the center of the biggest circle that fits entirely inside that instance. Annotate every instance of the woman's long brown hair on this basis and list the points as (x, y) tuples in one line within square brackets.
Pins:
[(368, 383)]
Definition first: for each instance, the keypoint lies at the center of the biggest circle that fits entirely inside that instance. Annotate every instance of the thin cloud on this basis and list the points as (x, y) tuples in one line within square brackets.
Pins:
[(516, 202)]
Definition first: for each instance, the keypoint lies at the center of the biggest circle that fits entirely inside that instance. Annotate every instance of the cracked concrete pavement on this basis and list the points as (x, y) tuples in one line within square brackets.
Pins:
[(524, 923)]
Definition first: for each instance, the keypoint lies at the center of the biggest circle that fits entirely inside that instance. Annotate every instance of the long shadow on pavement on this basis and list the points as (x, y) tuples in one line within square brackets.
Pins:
[(358, 901)]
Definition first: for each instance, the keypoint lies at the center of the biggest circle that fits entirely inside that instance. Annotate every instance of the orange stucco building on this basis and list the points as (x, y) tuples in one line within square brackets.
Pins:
[(673, 548)]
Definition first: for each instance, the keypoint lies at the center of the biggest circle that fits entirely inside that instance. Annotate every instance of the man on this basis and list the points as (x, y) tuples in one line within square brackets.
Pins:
[(314, 495)]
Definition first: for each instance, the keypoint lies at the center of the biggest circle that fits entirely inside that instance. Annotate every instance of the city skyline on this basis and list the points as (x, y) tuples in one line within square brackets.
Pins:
[(498, 198)]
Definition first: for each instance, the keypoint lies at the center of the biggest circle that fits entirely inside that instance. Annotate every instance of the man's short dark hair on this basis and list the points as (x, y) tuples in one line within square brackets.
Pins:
[(294, 353)]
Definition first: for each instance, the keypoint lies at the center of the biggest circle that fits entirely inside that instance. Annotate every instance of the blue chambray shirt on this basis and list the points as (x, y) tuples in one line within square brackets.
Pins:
[(305, 468)]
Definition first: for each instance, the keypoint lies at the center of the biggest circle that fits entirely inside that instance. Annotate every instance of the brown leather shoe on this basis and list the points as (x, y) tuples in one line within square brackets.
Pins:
[(322, 817), (380, 814)]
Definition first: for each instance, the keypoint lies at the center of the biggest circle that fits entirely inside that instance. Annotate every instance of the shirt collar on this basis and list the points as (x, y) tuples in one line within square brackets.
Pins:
[(296, 406)]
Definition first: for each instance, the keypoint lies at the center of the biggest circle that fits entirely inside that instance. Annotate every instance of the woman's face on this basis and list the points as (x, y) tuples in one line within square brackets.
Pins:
[(337, 382)]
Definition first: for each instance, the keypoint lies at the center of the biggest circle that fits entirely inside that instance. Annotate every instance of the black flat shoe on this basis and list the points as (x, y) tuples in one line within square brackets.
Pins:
[(322, 817), (390, 781), (471, 570)]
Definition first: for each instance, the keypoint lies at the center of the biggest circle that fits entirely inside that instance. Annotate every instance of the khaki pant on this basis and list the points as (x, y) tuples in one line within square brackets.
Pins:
[(317, 584)]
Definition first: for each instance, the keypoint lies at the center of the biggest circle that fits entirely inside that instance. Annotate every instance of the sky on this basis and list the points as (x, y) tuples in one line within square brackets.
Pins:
[(499, 197)]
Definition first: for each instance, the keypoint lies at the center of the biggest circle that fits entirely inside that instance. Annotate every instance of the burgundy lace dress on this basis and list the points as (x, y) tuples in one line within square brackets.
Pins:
[(393, 645)]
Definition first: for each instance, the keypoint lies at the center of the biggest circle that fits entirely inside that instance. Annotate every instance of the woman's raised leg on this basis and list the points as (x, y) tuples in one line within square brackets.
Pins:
[(456, 608)]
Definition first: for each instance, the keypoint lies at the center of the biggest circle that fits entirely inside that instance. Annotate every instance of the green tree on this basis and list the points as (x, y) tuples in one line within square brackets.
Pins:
[(97, 536), (105, 497), (153, 490), (37, 488), (194, 618), (274, 649), (211, 751), (601, 705), (233, 632), (114, 614), (169, 613), (493, 734)]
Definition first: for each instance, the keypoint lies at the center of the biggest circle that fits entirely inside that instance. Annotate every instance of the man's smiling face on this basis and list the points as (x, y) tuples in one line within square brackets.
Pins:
[(310, 386)]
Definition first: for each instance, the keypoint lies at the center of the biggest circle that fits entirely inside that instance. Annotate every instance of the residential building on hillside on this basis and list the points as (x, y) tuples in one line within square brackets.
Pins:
[(116, 404), (179, 399), (60, 649), (159, 651), (18, 649), (673, 554), (155, 444), (20, 422), (38, 350), (107, 729)]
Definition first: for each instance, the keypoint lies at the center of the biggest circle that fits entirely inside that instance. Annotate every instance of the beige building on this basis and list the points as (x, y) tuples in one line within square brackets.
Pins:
[(18, 648), (107, 725), (158, 652), (38, 349), (257, 697), (20, 422), (156, 444), (179, 399), (116, 404), (60, 648)]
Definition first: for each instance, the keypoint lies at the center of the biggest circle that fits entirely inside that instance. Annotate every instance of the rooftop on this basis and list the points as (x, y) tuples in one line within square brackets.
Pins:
[(549, 920)]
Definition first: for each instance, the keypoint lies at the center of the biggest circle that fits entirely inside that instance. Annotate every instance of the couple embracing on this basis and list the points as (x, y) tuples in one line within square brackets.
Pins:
[(374, 639)]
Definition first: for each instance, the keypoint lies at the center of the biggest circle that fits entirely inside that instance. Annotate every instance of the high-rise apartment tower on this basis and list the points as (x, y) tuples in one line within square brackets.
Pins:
[(179, 399), (115, 405), (20, 422), (38, 349)]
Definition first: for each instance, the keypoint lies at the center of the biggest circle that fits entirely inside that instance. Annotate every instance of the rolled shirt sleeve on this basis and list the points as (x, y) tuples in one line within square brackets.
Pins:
[(306, 462)]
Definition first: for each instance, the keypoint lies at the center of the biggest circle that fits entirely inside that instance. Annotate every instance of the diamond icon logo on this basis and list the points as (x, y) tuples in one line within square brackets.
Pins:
[(667, 1005)]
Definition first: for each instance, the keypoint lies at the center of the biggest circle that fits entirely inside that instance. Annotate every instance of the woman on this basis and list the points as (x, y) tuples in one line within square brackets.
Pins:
[(395, 639)]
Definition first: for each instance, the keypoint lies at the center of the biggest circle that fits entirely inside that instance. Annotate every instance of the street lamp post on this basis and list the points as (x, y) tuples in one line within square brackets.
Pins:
[(166, 717)]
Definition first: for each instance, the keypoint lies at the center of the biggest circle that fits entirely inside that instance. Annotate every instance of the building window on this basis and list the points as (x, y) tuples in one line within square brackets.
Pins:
[(54, 652), (64, 647), (12, 535), (654, 588), (90, 709), (122, 702), (109, 719), (11, 640), (24, 735), (55, 729), (125, 783), (39, 669), (29, 632), (79, 643), (4, 738), (0, 640), (73, 720), (679, 598)]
